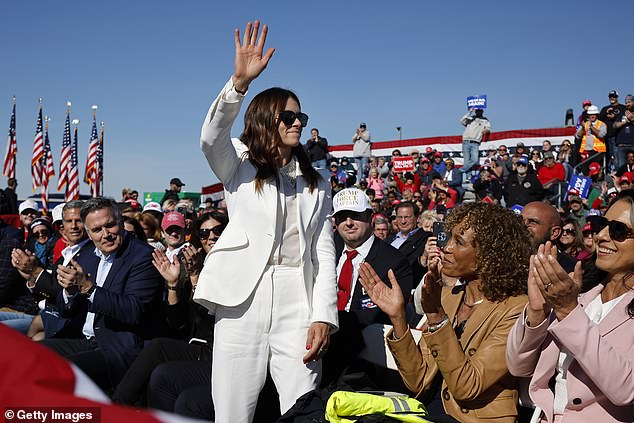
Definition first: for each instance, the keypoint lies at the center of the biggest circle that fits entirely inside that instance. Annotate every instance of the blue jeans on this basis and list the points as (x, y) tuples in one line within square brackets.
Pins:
[(471, 154), (319, 164), (362, 162), (15, 320)]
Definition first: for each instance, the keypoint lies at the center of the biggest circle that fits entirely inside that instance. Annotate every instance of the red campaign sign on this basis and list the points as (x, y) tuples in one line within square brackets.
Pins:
[(403, 164)]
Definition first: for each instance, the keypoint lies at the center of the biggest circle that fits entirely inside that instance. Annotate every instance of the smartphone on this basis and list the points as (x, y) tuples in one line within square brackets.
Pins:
[(440, 232)]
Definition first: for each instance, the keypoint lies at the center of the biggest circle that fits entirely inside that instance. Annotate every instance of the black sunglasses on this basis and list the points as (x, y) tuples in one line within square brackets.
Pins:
[(568, 231), (618, 231), (343, 215), (216, 230), (288, 117)]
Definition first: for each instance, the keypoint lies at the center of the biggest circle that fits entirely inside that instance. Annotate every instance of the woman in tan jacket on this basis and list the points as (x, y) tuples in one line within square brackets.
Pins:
[(464, 340)]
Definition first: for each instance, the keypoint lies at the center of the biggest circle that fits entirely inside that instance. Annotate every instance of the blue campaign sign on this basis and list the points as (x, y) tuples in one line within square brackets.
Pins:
[(581, 184), (477, 102)]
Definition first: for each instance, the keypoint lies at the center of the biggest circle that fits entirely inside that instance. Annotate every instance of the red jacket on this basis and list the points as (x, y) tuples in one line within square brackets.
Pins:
[(547, 174)]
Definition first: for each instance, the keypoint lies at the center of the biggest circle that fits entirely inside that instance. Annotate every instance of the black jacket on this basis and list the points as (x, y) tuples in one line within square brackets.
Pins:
[(412, 249), (529, 190)]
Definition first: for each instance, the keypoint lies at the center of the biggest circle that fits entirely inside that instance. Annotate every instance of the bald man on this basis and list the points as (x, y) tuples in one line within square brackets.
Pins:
[(544, 224)]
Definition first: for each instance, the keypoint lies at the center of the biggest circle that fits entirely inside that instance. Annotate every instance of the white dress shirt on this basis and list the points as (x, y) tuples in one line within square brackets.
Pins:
[(363, 250), (102, 273)]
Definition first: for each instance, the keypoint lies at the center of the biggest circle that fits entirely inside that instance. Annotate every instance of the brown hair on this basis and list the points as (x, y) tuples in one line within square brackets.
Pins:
[(503, 248), (261, 136)]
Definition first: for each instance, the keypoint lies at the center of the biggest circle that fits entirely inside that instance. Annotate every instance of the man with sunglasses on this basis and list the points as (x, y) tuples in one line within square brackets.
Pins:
[(522, 187), (362, 149), (356, 243)]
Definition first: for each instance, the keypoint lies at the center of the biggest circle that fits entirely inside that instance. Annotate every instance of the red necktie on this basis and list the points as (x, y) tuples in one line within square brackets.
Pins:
[(345, 280)]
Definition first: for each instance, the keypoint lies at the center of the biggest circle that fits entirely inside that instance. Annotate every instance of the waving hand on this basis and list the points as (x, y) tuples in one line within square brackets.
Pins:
[(250, 62)]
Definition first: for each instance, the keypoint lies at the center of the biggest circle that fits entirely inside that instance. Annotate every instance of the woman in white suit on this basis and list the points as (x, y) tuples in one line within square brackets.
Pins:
[(270, 279)]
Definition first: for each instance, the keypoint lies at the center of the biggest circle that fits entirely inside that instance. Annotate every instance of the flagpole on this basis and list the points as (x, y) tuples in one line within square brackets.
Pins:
[(102, 157), (44, 158)]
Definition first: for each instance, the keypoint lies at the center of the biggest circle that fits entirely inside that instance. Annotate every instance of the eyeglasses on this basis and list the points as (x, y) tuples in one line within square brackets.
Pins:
[(618, 231), (502, 150), (521, 164), (417, 196), (216, 230), (288, 118), (568, 231), (40, 234)]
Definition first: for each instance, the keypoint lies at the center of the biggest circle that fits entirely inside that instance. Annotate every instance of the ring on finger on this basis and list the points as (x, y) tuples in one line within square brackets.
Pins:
[(547, 286)]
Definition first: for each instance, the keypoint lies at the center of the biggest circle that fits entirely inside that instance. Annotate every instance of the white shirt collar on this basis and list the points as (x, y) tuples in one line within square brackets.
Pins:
[(71, 250), (363, 249)]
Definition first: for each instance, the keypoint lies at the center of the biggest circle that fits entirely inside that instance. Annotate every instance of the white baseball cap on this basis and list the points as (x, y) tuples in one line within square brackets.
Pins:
[(28, 204), (153, 206), (57, 212), (351, 199)]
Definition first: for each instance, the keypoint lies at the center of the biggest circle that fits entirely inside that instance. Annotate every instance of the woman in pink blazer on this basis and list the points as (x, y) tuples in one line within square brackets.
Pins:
[(579, 350)]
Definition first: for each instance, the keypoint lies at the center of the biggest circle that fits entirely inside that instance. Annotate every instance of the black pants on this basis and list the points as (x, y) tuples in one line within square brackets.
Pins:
[(182, 387), (132, 387), (86, 355)]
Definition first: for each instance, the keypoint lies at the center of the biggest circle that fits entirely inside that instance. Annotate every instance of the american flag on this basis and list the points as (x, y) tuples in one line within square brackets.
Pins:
[(12, 148), (48, 169), (91, 174), (72, 187), (38, 152), (64, 159)]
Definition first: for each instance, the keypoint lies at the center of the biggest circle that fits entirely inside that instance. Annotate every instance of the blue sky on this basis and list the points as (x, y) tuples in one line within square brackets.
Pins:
[(153, 67)]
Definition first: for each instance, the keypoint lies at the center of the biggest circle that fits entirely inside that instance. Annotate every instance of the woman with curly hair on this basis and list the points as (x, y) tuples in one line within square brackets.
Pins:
[(464, 337)]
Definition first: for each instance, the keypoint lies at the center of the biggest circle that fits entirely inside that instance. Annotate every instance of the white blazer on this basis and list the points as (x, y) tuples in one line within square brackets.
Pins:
[(236, 263)]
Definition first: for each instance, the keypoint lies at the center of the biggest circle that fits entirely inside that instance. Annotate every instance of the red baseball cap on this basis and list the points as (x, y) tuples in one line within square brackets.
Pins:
[(173, 219), (595, 168)]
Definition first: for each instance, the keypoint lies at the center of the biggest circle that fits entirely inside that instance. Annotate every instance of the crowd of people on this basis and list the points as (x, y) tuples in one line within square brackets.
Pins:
[(241, 310)]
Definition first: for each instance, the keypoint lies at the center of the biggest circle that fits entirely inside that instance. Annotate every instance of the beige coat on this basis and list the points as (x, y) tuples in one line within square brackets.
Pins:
[(477, 385)]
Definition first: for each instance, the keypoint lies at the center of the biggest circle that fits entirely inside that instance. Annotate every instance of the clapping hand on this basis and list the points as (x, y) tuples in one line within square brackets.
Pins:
[(559, 290), (249, 61), (169, 270)]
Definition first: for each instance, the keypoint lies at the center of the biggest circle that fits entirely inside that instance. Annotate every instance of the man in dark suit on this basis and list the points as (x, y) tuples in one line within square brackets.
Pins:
[(114, 294), (43, 283), (410, 239), (355, 243)]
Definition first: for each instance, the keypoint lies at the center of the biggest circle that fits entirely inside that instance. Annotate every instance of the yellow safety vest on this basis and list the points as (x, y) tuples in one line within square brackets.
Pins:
[(343, 404), (599, 143)]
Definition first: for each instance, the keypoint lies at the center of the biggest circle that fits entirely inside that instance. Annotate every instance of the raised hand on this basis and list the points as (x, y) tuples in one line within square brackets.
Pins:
[(25, 262), (559, 289), (72, 278), (249, 61), (170, 271), (389, 300)]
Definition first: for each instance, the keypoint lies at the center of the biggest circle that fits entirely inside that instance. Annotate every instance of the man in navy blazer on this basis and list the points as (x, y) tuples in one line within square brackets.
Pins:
[(353, 218), (114, 294)]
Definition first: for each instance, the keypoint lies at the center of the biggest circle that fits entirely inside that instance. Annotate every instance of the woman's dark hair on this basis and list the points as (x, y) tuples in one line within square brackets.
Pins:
[(503, 248), (627, 195), (221, 218), (262, 137), (577, 244), (139, 233)]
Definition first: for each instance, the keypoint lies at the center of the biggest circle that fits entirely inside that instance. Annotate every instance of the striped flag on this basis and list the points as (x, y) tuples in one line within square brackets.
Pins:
[(72, 187), (38, 152), (64, 159), (48, 169), (12, 148), (91, 173)]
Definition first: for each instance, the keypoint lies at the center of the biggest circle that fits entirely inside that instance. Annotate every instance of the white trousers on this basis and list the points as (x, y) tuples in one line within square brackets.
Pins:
[(267, 330)]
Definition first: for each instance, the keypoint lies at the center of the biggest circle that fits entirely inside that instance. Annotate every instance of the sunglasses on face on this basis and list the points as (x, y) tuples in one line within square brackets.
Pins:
[(40, 234), (288, 118), (568, 231), (618, 231), (343, 215), (216, 230)]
